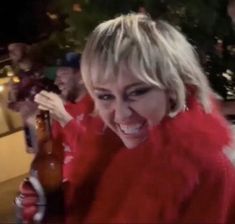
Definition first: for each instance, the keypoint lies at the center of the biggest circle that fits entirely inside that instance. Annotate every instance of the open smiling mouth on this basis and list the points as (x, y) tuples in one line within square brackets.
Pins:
[(132, 130)]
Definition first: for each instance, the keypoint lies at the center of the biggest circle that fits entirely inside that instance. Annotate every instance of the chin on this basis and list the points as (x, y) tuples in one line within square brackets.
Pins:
[(64, 96), (132, 143)]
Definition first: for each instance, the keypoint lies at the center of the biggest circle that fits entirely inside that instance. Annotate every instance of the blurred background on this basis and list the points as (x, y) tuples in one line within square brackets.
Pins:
[(55, 26)]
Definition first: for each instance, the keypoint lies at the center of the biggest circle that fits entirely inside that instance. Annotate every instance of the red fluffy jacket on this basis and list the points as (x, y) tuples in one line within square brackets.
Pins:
[(179, 175)]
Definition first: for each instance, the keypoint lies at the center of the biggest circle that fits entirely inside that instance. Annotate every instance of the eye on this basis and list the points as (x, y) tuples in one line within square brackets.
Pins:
[(139, 92), (105, 97)]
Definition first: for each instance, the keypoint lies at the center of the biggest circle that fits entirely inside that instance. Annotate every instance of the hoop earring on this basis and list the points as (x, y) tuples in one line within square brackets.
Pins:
[(185, 108), (172, 114)]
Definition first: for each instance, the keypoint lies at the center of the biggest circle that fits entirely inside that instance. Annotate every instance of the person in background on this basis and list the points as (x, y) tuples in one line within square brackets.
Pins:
[(19, 53), (73, 121), (31, 81), (149, 89), (69, 109), (21, 57), (30, 73)]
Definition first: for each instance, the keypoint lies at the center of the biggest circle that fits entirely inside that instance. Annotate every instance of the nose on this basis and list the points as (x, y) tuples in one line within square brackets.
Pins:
[(122, 111), (57, 81)]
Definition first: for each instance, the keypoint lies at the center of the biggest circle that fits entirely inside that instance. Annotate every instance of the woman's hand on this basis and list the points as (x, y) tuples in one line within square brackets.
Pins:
[(33, 207), (53, 103), (26, 202)]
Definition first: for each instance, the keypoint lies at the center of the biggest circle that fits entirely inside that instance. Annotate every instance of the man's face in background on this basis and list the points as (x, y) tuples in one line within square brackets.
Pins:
[(67, 80)]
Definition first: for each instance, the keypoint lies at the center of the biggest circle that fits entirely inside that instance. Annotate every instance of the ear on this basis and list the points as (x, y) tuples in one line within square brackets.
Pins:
[(172, 100)]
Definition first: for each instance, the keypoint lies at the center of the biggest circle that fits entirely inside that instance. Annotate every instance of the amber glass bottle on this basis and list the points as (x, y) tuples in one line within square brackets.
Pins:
[(46, 171)]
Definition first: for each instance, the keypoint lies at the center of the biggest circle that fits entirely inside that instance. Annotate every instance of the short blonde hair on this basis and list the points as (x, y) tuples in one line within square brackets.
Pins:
[(155, 52)]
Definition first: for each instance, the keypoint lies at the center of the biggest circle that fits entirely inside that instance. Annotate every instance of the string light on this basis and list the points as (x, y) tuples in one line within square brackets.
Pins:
[(1, 88), (16, 79)]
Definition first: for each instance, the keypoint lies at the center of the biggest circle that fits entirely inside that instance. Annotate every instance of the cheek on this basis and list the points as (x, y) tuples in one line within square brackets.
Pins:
[(68, 84), (159, 111), (156, 118), (104, 112), (153, 110), (72, 82)]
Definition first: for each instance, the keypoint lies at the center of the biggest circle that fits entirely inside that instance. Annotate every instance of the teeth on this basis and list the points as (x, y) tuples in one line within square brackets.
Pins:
[(130, 129)]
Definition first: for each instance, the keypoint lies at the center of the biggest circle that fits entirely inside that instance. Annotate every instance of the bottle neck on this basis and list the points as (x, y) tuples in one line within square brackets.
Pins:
[(43, 127)]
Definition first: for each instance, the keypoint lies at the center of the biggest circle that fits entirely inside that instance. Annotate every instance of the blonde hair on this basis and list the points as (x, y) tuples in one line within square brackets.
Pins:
[(155, 52)]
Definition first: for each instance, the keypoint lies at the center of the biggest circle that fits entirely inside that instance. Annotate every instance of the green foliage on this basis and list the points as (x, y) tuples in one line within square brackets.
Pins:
[(80, 24), (49, 50), (203, 22)]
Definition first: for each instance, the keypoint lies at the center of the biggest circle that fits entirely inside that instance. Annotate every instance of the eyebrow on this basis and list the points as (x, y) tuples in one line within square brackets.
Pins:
[(126, 87)]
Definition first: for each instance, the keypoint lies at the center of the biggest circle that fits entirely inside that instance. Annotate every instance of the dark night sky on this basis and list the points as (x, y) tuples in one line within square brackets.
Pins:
[(22, 20)]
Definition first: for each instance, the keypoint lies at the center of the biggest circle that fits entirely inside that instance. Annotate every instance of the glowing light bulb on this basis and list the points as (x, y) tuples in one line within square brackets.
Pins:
[(16, 79), (1, 88), (10, 74)]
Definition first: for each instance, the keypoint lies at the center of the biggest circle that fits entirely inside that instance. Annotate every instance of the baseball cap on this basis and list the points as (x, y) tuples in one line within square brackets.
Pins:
[(70, 59)]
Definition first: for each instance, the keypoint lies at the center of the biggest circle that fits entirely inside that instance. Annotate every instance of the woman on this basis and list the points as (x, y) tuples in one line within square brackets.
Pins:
[(149, 89)]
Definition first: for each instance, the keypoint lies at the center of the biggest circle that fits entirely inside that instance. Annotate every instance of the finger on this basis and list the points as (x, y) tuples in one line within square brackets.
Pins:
[(42, 107), (29, 212), (48, 95), (40, 95), (30, 201), (44, 93), (29, 191), (40, 98), (26, 188), (47, 98), (44, 102)]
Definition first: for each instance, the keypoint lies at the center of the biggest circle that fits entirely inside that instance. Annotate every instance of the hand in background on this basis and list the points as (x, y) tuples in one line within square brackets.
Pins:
[(54, 104)]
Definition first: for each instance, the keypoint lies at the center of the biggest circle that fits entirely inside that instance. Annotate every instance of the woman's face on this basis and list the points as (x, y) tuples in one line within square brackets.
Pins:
[(130, 107)]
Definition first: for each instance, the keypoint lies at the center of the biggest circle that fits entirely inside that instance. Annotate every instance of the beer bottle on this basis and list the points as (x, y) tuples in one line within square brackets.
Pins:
[(46, 172)]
